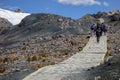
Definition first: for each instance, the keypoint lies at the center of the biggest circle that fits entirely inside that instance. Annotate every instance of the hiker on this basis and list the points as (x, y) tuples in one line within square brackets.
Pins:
[(98, 32), (104, 28), (95, 27), (102, 24), (92, 29)]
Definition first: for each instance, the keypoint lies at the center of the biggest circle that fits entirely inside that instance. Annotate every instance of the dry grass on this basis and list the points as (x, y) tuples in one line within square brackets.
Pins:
[(29, 59), (108, 48), (1, 59), (56, 55), (52, 62), (24, 47), (37, 66), (13, 51), (43, 55), (10, 59), (2, 69), (106, 55), (35, 58), (66, 53)]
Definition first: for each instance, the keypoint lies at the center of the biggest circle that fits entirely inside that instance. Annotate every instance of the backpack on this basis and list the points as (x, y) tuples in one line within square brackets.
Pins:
[(98, 30), (95, 27), (92, 27), (105, 26)]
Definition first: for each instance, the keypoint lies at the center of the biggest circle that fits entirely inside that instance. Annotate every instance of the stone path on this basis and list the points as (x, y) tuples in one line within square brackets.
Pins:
[(91, 56)]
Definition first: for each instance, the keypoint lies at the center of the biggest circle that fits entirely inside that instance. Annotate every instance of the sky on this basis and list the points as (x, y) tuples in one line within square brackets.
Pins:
[(68, 8)]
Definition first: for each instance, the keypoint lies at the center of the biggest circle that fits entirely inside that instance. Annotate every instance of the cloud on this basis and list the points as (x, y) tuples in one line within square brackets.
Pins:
[(80, 2), (105, 4)]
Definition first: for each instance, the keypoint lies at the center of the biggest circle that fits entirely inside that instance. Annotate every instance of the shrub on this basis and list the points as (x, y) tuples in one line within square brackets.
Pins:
[(29, 59), (1, 59), (16, 58), (43, 59), (108, 48), (7, 59), (13, 51), (2, 69), (40, 65), (52, 62), (24, 48), (65, 53), (106, 55), (56, 55), (35, 58), (37, 66), (43, 55)]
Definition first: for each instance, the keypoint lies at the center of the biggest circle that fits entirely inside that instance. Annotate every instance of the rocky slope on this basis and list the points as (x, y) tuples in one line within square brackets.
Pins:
[(5, 26), (40, 40), (45, 39), (45, 25)]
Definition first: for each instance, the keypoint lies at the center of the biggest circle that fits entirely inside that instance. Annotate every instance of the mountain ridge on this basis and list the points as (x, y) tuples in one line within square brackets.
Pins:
[(44, 39)]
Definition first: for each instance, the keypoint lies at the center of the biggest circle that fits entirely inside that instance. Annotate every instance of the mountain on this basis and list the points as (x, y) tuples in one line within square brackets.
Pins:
[(47, 25), (86, 21), (52, 38), (37, 40), (12, 17), (5, 26)]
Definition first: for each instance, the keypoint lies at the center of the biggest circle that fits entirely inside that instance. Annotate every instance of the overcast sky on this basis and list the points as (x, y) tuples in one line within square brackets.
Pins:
[(69, 8)]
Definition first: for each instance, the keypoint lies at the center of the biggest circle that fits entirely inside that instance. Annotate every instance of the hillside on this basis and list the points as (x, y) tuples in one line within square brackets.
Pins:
[(31, 41), (39, 40), (5, 26)]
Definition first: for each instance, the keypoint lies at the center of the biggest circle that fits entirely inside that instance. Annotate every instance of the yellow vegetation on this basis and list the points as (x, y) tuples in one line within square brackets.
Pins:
[(52, 62), (24, 48), (13, 51), (108, 48), (2, 69), (1, 59), (37, 66), (9, 59), (35, 58), (29, 59), (106, 55)]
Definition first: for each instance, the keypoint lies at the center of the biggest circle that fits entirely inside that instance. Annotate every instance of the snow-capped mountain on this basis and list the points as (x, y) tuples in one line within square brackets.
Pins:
[(13, 17)]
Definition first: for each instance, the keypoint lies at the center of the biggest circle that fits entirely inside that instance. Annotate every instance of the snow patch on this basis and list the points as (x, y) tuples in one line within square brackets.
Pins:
[(13, 17)]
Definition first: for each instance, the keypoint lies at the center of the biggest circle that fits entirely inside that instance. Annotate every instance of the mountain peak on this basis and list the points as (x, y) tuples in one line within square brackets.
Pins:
[(19, 11), (112, 12)]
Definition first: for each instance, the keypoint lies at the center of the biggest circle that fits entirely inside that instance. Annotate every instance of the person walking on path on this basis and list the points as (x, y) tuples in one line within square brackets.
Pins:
[(98, 32), (92, 29), (104, 28)]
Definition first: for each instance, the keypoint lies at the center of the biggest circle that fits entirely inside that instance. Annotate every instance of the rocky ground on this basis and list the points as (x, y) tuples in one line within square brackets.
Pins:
[(75, 67), (31, 56), (5, 25), (39, 40), (47, 39)]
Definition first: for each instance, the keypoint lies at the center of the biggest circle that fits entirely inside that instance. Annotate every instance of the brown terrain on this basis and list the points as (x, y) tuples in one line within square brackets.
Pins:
[(40, 40), (47, 39)]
